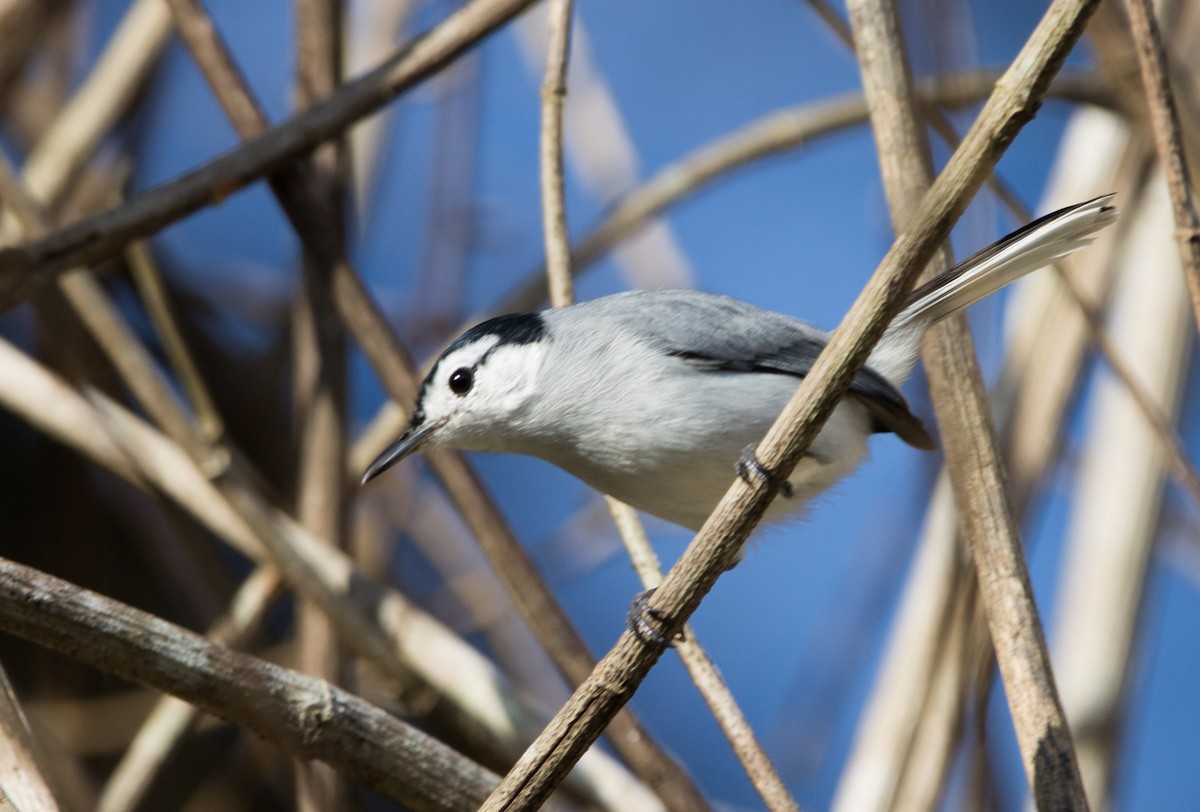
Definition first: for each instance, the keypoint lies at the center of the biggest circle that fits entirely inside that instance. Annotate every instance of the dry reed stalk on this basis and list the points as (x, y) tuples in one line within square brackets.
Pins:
[(148, 280), (936, 740), (1168, 140), (885, 734), (554, 209), (971, 447), (1116, 511)]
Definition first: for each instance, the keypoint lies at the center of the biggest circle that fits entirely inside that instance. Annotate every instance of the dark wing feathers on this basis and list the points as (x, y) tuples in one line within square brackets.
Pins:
[(748, 339)]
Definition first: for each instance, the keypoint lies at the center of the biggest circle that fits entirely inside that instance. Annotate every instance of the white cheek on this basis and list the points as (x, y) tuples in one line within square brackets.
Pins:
[(511, 376)]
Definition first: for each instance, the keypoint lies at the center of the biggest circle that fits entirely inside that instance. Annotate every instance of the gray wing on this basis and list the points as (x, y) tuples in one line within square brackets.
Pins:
[(723, 334)]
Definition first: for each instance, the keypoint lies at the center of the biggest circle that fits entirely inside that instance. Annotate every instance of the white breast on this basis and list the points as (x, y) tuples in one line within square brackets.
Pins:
[(665, 437)]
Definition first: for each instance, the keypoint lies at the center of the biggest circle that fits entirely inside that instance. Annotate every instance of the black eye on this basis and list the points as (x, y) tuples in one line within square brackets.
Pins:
[(461, 380)]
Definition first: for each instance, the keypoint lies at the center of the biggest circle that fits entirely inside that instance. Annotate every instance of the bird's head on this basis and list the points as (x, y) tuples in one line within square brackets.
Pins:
[(473, 397)]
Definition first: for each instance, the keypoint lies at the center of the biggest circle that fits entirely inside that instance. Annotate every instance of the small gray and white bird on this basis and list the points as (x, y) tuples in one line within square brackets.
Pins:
[(653, 396)]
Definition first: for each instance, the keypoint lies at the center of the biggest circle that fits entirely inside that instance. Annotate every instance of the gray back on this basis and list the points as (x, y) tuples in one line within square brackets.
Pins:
[(722, 335)]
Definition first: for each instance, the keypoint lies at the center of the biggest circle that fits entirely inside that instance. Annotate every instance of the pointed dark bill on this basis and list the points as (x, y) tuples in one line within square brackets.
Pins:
[(409, 442)]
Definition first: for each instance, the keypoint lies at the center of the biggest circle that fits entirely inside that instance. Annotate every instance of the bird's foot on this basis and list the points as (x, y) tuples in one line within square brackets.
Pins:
[(748, 465), (646, 622)]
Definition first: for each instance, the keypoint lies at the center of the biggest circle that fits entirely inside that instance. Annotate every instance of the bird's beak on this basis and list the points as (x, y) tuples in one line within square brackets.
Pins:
[(409, 442)]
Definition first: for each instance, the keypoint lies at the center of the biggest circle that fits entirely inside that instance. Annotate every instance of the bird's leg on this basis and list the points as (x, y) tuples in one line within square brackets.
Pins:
[(748, 465), (646, 622)]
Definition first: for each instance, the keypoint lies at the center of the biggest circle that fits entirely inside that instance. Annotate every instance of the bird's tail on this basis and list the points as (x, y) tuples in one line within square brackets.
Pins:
[(1036, 245), (982, 274)]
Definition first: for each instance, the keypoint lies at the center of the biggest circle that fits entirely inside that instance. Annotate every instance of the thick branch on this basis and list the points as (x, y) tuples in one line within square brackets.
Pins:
[(307, 717)]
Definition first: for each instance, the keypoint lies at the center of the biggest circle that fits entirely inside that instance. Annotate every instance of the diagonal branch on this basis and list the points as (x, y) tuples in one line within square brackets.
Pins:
[(972, 449), (617, 676), (305, 716)]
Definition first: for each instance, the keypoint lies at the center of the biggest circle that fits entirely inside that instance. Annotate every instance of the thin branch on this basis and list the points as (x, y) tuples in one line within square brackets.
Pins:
[(618, 674), (603, 153), (1164, 122), (705, 674), (1160, 424), (307, 717), (149, 283), (554, 210)]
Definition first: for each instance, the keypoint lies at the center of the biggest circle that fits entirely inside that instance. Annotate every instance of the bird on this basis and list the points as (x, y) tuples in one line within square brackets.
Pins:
[(657, 397)]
